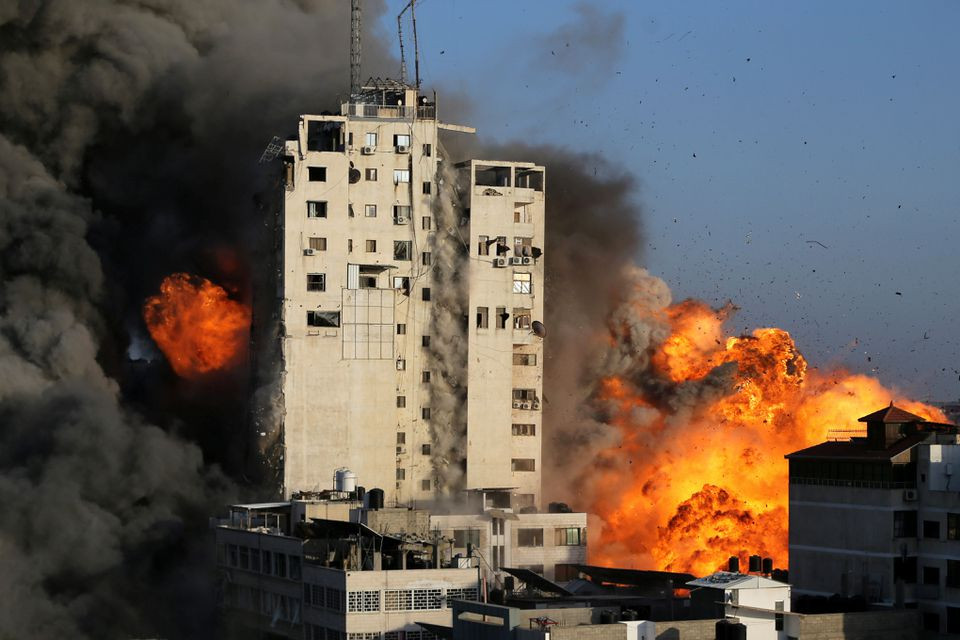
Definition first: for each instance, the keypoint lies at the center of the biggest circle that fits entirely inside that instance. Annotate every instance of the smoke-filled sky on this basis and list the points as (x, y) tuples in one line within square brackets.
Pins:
[(797, 158)]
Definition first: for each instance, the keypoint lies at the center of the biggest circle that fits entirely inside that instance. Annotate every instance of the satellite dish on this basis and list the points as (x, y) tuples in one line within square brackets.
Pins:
[(354, 176), (539, 329)]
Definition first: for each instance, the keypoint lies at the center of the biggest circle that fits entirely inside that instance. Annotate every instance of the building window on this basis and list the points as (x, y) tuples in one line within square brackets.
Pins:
[(567, 537), (522, 283), (953, 526), (425, 413), (524, 429), (363, 601), (463, 537), (425, 258), (401, 140), (401, 437), (401, 329), (931, 529), (371, 174), (401, 212), (424, 341), (401, 402), (905, 569), (565, 572), (931, 575), (323, 318), (370, 210), (370, 139), (953, 619), (318, 244), (371, 246), (523, 464), (316, 209), (521, 318), (425, 377), (368, 281), (401, 175), (280, 565), (525, 359), (426, 223), (401, 364), (778, 618), (295, 573), (426, 294), (425, 449), (483, 317), (349, 245), (316, 282), (522, 246), (931, 621), (521, 213), (502, 316), (425, 485), (953, 573), (402, 249), (428, 150), (524, 395), (483, 246), (402, 284), (426, 188), (904, 524), (401, 474), (317, 174), (267, 564), (530, 537)]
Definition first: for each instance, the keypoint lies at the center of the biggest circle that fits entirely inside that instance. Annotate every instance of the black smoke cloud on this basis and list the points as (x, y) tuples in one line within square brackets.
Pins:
[(129, 139), (589, 45)]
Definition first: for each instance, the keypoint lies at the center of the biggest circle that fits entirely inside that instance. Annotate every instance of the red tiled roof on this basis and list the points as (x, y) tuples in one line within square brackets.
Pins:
[(892, 414)]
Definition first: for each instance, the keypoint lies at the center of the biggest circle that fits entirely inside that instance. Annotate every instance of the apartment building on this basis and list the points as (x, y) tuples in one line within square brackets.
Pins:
[(373, 222), (286, 573), (876, 517)]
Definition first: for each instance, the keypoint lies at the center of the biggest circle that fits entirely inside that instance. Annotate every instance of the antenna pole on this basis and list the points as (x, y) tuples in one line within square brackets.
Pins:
[(416, 46), (403, 58), (354, 47)]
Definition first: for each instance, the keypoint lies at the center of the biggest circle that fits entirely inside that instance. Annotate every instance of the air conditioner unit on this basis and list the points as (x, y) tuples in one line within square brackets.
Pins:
[(910, 495), (499, 262), (516, 261), (309, 252), (368, 151), (517, 404), (400, 220), (525, 406), (536, 405), (402, 148), (527, 260)]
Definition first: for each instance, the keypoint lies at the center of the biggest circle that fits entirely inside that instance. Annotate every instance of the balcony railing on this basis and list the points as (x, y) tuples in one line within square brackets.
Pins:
[(856, 484), (398, 112)]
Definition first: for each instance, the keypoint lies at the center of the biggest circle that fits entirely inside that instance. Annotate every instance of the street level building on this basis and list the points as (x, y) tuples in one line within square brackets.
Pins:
[(878, 517)]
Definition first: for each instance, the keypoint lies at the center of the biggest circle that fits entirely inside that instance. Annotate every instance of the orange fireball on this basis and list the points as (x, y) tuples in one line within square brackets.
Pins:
[(699, 473), (196, 325)]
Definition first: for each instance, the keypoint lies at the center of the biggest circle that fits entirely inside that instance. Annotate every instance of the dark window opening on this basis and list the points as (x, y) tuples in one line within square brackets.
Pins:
[(323, 318), (317, 174)]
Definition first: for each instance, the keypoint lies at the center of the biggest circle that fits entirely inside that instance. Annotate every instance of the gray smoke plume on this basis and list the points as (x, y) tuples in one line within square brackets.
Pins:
[(129, 138), (448, 330)]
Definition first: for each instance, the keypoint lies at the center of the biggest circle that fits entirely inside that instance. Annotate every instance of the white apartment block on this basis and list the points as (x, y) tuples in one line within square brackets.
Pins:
[(358, 229)]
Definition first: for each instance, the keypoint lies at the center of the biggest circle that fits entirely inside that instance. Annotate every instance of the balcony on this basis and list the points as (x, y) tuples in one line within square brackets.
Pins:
[(392, 112)]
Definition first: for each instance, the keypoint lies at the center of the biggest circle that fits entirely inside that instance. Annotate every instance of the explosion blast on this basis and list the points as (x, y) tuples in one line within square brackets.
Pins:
[(704, 422), (196, 325)]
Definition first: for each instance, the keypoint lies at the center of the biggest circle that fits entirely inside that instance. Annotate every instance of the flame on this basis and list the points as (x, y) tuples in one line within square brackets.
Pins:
[(699, 474), (196, 325)]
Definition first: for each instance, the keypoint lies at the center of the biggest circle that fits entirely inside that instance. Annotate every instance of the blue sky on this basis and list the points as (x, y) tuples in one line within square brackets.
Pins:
[(753, 129)]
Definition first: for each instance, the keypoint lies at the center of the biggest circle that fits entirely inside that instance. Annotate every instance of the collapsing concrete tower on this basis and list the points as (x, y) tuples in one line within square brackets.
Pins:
[(409, 291)]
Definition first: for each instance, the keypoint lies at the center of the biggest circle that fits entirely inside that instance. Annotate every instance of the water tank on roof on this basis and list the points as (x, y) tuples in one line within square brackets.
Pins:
[(344, 480), (733, 564), (755, 564), (607, 617), (737, 631), (375, 499), (768, 566)]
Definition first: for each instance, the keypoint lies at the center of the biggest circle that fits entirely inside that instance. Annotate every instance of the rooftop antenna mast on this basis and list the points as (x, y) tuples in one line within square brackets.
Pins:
[(416, 46), (354, 48)]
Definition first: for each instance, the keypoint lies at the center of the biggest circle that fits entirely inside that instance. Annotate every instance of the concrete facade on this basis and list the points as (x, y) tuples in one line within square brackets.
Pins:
[(546, 543), (881, 523), (356, 232)]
